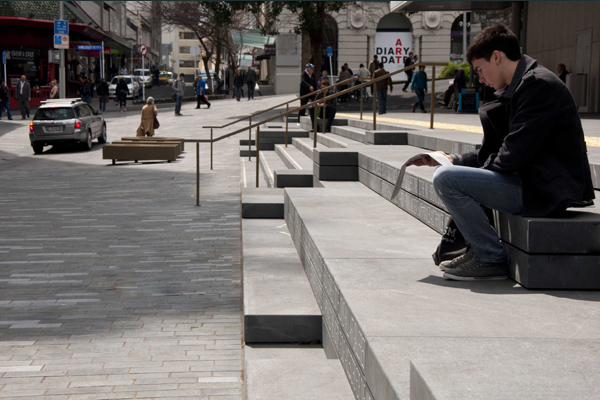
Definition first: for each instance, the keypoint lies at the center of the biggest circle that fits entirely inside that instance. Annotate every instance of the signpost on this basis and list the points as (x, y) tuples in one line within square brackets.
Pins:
[(330, 55), (4, 62), (63, 29), (143, 50)]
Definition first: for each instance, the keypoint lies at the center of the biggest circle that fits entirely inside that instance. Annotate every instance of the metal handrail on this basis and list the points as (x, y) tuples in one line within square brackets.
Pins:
[(309, 104)]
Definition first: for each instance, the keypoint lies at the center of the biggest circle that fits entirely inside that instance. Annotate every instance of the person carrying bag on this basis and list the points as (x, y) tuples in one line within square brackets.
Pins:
[(149, 121)]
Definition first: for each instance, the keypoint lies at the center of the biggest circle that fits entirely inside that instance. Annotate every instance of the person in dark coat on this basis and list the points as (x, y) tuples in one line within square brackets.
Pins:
[(308, 84), (4, 100), (532, 161), (122, 91), (102, 91), (238, 83), (330, 107)]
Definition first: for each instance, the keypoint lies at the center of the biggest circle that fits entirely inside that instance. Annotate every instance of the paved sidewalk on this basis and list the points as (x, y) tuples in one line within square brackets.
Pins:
[(113, 285)]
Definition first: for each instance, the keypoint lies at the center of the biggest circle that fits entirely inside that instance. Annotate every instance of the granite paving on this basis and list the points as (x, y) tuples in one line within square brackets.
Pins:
[(113, 284)]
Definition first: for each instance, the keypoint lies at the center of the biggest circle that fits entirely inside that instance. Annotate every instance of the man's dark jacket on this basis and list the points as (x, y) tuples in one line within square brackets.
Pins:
[(534, 130), (306, 82)]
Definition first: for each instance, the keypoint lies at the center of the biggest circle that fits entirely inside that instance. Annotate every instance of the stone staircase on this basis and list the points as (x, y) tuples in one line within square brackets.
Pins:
[(347, 275)]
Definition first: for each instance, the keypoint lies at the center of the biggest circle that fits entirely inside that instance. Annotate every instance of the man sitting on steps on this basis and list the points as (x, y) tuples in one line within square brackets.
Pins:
[(532, 160)]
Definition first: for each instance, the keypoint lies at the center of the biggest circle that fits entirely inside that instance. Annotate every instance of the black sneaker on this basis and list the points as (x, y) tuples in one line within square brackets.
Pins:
[(458, 261), (474, 270)]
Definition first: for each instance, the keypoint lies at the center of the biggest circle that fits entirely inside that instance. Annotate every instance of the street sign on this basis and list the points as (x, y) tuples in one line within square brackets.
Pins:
[(194, 50), (61, 41), (329, 51), (143, 49), (88, 47), (61, 27), (3, 57)]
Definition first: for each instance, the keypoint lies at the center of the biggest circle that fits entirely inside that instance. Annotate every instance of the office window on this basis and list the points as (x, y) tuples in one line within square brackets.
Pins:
[(184, 49), (186, 63), (187, 35)]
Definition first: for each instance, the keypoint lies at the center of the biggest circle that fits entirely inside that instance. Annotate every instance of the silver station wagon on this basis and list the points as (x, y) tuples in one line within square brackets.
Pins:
[(64, 121)]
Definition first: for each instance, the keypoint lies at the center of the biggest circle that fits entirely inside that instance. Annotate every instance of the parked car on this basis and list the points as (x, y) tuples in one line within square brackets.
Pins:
[(132, 84), (145, 76), (66, 121), (165, 78)]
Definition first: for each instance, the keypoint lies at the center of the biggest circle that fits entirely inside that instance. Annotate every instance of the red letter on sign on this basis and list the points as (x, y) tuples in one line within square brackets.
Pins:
[(399, 51), (398, 42)]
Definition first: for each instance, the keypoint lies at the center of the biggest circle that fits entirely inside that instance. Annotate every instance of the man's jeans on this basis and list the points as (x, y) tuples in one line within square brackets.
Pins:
[(238, 92), (382, 101), (251, 86), (178, 101), (102, 103), (6, 105), (420, 98), (463, 189)]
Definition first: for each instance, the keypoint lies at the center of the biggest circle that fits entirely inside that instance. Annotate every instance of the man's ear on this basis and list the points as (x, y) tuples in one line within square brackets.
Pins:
[(497, 57)]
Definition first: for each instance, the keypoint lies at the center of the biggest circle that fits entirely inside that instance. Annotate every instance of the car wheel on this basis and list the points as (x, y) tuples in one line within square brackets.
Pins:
[(87, 145), (102, 137), (38, 148)]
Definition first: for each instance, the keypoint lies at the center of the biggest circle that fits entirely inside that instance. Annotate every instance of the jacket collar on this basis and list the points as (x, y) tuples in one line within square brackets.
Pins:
[(525, 64)]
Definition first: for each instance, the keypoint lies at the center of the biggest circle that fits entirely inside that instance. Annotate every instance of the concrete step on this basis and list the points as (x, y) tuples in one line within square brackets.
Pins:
[(356, 134), (294, 158), (269, 163), (263, 203), (248, 174), (279, 306), (296, 379), (306, 124), (386, 305)]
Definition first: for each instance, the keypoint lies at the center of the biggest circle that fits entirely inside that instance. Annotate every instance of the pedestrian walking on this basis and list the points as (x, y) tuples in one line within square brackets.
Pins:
[(308, 84), (419, 86), (54, 89), (4, 100), (410, 60), (122, 92), (382, 86), (149, 113), (102, 91), (201, 93), (251, 79), (238, 82), (23, 94), (178, 87), (86, 91)]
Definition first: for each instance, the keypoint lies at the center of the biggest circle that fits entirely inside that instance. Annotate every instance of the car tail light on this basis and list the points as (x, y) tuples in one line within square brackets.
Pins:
[(77, 124), (31, 126)]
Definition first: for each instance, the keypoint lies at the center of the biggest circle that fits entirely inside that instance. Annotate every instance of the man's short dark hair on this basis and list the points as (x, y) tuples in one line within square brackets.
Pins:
[(182, 75), (496, 37), (380, 64)]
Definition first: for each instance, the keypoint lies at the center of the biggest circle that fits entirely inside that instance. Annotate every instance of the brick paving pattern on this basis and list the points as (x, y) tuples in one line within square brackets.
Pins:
[(113, 285)]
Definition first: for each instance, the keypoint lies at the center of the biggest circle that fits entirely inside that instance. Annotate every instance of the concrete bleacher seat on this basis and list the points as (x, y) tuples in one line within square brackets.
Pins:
[(394, 323)]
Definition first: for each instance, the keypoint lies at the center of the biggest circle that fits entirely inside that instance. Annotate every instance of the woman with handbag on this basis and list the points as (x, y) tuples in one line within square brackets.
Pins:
[(149, 121)]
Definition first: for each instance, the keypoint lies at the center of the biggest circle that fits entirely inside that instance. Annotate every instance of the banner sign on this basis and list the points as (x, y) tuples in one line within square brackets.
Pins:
[(391, 49)]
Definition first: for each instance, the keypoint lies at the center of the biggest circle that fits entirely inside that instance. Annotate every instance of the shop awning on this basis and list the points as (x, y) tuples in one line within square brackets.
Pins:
[(251, 39)]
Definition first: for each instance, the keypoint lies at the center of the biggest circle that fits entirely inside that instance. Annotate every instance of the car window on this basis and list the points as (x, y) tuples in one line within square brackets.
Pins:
[(114, 81), (128, 81), (54, 114), (82, 111), (89, 109)]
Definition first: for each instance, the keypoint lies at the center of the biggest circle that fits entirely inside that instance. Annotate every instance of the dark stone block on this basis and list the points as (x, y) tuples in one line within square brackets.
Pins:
[(554, 271), (335, 173), (262, 210), (387, 137), (334, 157), (282, 328), (575, 232), (293, 178)]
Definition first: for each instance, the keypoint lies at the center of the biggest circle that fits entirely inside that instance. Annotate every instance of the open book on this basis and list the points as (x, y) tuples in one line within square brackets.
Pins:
[(438, 157)]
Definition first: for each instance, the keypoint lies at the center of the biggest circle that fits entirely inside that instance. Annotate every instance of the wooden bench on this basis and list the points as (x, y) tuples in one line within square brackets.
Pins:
[(155, 139), (150, 142), (136, 152)]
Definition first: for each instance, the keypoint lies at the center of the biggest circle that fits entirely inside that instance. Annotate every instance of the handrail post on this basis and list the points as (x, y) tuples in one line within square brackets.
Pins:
[(287, 120), (211, 148), (315, 126), (324, 116), (250, 140), (257, 155), (362, 96), (197, 174), (375, 106), (432, 96)]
